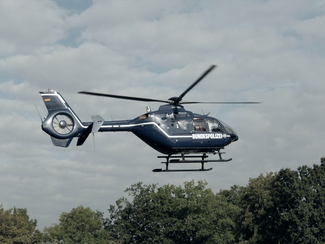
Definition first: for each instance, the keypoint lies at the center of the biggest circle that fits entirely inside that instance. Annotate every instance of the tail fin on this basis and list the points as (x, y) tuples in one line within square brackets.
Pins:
[(61, 123)]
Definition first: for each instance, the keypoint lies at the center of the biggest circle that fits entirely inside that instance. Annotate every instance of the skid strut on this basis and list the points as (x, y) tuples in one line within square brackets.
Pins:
[(185, 159)]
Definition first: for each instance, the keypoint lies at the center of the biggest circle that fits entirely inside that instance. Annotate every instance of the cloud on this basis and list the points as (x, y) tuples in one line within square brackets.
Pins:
[(28, 25)]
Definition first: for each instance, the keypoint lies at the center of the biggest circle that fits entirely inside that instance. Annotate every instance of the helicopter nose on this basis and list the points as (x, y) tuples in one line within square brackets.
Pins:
[(231, 132), (234, 137)]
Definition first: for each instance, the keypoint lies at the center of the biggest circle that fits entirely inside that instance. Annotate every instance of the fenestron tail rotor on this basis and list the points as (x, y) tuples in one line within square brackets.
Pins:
[(62, 124), (172, 100)]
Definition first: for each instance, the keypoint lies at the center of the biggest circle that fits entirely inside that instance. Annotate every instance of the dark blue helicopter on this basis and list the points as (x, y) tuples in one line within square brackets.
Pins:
[(183, 136)]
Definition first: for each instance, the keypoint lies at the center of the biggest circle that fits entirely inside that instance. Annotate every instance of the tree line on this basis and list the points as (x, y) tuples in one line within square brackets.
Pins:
[(283, 207)]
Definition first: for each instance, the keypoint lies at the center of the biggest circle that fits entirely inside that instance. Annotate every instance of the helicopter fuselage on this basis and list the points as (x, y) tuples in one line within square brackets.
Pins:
[(172, 129)]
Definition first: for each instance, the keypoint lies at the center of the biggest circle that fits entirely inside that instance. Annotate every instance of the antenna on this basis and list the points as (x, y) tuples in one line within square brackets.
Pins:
[(94, 142), (38, 113), (204, 113)]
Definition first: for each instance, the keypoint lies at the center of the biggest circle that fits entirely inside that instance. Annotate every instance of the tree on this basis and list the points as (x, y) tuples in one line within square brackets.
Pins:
[(255, 223), (234, 196), (80, 225), (15, 226), (300, 200), (170, 214)]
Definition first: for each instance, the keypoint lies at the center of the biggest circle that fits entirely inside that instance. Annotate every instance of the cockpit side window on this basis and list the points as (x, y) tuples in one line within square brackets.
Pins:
[(200, 125), (214, 126)]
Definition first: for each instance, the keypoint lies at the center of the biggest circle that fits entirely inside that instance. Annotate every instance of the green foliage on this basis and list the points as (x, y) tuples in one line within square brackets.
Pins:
[(171, 214), (80, 225), (15, 226)]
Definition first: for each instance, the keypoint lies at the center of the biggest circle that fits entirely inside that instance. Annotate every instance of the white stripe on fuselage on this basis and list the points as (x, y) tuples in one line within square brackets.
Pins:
[(197, 136)]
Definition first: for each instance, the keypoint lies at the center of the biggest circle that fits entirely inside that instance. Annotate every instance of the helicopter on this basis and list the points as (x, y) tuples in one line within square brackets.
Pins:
[(180, 135)]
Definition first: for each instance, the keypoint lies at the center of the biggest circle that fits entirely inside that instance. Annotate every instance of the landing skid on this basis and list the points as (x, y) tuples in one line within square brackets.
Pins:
[(173, 159), (179, 170)]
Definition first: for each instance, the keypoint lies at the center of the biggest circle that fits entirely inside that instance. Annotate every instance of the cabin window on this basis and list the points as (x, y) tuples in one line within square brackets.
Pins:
[(144, 116), (182, 124)]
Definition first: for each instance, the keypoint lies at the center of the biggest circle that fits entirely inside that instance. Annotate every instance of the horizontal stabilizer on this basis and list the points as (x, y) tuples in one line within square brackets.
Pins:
[(97, 123), (92, 128)]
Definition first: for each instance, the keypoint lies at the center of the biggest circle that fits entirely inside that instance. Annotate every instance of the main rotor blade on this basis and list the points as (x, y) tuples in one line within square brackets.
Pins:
[(142, 99), (178, 99), (221, 102)]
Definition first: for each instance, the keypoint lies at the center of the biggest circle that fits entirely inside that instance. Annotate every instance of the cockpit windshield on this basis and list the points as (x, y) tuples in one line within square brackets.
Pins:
[(228, 128)]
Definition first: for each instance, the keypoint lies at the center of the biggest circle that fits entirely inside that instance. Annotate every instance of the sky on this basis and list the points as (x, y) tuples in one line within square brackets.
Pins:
[(268, 51)]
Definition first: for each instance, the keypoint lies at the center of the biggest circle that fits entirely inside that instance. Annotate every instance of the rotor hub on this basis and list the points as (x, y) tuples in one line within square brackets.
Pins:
[(172, 98), (63, 124)]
